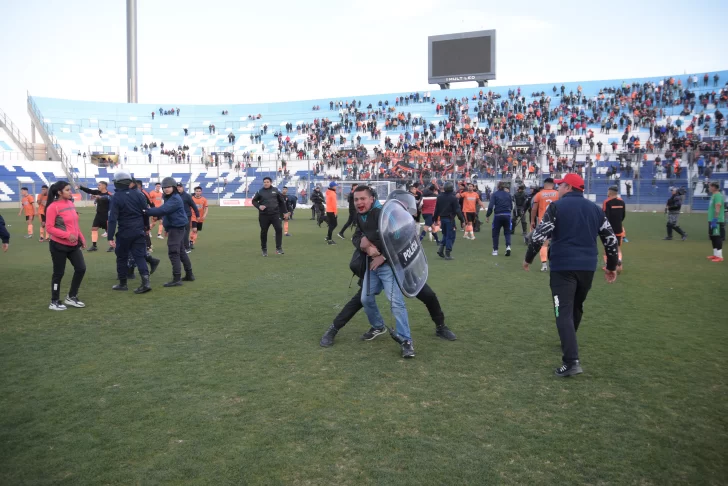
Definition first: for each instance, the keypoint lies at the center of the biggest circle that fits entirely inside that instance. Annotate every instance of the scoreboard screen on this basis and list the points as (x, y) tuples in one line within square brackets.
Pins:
[(468, 56)]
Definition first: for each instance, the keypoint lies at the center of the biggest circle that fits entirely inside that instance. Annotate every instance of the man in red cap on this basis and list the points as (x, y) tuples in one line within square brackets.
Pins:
[(573, 223)]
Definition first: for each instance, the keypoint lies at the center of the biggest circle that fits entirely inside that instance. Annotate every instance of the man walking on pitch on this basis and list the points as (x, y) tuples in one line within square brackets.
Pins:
[(291, 201), (615, 210), (446, 208), (541, 203), (716, 222), (271, 205), (332, 211), (157, 198), (42, 201), (672, 209), (501, 205), (573, 223), (352, 212), (102, 198), (26, 205), (190, 207), (175, 220), (197, 221), (471, 201)]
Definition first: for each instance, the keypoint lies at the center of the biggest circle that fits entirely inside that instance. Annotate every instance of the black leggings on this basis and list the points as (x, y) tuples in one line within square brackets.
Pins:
[(59, 254), (717, 240)]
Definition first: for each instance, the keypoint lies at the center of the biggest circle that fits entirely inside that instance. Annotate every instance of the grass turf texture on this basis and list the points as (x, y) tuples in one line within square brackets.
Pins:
[(222, 381)]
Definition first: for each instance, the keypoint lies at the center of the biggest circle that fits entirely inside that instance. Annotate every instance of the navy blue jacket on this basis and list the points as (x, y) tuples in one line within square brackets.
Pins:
[(573, 224), (127, 210), (500, 203), (4, 235), (447, 207), (189, 205), (172, 210)]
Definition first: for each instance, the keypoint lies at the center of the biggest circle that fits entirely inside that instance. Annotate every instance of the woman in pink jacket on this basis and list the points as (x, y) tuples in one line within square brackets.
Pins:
[(67, 242)]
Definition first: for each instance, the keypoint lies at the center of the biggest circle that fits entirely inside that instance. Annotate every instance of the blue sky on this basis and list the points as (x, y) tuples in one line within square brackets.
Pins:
[(227, 51)]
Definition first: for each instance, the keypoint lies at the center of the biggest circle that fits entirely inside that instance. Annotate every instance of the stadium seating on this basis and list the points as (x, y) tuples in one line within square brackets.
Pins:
[(98, 127)]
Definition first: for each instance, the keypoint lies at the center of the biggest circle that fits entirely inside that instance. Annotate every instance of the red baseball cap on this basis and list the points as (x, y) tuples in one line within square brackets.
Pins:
[(574, 180)]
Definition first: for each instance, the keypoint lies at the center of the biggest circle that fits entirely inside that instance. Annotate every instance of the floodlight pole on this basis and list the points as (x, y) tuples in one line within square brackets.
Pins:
[(131, 51)]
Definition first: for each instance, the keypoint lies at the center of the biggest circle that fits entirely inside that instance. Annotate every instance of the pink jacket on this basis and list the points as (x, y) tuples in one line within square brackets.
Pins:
[(62, 222)]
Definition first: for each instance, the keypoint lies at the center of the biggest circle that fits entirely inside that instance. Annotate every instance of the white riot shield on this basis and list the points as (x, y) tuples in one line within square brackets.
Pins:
[(399, 233)]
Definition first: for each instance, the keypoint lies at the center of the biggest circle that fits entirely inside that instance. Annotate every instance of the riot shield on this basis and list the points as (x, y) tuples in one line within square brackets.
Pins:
[(399, 233)]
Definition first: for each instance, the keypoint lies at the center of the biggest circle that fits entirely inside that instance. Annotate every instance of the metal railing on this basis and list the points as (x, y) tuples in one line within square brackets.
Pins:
[(23, 144)]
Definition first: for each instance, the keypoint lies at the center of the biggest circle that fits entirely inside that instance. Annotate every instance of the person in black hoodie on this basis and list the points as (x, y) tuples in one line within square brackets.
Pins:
[(447, 208), (352, 212), (318, 211), (270, 204)]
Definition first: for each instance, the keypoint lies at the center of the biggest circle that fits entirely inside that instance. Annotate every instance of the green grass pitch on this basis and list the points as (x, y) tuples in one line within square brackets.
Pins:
[(222, 381)]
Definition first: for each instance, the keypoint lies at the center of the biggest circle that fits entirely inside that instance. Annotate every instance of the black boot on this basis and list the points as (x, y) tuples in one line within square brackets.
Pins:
[(327, 339), (444, 332), (153, 264), (440, 251), (189, 276), (130, 274), (448, 256), (121, 285), (175, 282), (145, 286)]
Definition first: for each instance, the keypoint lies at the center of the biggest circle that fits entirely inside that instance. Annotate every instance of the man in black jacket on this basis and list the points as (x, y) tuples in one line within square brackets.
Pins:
[(317, 205), (290, 207), (520, 198), (189, 206), (352, 212), (447, 208), (270, 204), (102, 200), (379, 274), (672, 209), (572, 223)]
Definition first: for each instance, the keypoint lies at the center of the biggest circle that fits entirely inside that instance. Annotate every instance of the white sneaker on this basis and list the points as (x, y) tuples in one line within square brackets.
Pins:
[(495, 253), (160, 237), (105, 234), (508, 251), (56, 306), (74, 302), (544, 267)]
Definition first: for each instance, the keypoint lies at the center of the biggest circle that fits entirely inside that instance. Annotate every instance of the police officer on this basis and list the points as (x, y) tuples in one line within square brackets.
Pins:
[(317, 205), (520, 198), (672, 209), (271, 205), (189, 206), (127, 210), (572, 223), (175, 221)]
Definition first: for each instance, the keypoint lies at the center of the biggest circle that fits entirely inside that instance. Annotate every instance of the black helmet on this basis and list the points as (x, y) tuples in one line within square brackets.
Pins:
[(169, 182), (406, 198), (449, 186)]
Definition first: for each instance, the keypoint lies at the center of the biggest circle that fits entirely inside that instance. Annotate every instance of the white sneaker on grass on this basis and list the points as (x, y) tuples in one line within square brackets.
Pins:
[(56, 306), (74, 302)]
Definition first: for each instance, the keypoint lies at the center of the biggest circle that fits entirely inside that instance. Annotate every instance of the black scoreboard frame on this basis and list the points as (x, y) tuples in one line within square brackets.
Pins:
[(481, 78)]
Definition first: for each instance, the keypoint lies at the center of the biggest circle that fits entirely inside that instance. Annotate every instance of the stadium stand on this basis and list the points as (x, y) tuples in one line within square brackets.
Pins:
[(658, 128)]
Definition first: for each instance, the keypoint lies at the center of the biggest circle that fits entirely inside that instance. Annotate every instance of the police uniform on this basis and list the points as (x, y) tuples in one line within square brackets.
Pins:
[(673, 214), (275, 205), (127, 210)]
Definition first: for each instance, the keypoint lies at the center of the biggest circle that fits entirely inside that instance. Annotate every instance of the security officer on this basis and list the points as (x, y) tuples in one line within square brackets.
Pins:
[(572, 223), (271, 205), (174, 222), (672, 209), (127, 210), (189, 206), (520, 198), (317, 205)]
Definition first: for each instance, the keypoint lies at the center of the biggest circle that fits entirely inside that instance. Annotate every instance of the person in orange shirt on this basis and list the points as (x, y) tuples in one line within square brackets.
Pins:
[(332, 211), (42, 200), (541, 202), (471, 201), (157, 198), (26, 205), (201, 204)]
